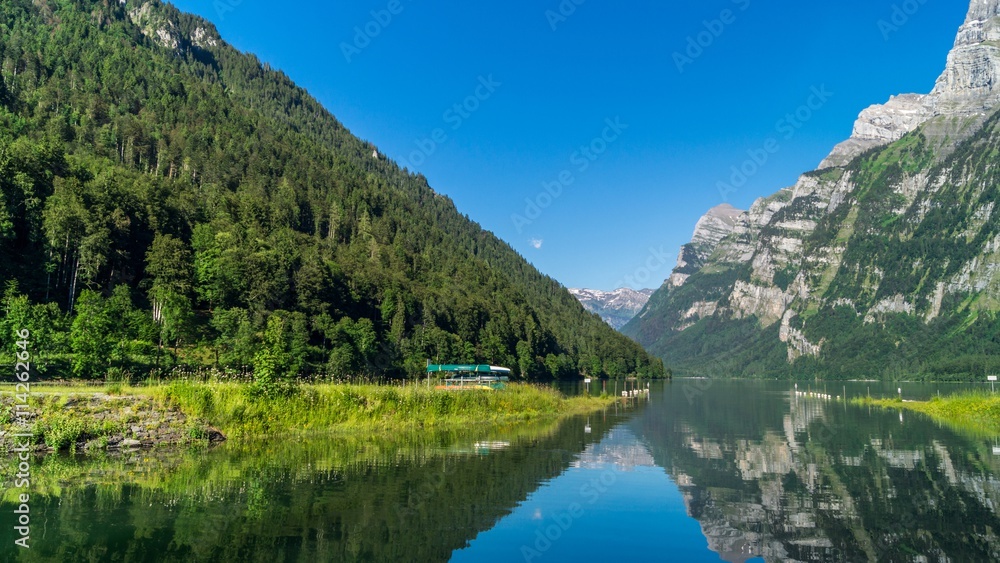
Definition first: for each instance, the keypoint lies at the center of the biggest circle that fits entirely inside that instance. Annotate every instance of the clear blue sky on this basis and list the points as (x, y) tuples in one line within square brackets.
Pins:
[(544, 93)]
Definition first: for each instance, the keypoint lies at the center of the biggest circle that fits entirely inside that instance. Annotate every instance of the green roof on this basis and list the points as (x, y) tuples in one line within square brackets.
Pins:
[(469, 368)]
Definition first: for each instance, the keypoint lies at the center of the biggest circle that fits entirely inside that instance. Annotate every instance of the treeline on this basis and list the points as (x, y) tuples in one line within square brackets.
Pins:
[(187, 205)]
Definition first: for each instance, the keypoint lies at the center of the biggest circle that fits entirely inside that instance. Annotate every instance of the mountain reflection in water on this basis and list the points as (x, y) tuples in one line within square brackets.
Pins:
[(736, 471)]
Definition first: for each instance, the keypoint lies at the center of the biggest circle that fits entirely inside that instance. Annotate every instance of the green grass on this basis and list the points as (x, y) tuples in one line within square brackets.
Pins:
[(332, 407), (239, 413), (60, 389), (60, 424), (975, 412)]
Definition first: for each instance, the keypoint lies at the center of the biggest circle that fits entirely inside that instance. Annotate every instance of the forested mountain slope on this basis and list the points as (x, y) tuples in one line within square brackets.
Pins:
[(883, 263), (166, 198)]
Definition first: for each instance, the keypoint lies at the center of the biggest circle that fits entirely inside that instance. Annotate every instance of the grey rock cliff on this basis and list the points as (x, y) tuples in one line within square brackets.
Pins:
[(160, 24), (969, 85), (797, 255), (711, 229)]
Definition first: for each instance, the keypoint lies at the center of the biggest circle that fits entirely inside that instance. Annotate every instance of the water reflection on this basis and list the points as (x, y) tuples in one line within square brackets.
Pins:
[(613, 503), (416, 497), (770, 473), (723, 471)]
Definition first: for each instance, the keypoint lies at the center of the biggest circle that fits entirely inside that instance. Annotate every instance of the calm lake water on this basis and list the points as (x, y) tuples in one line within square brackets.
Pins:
[(701, 471)]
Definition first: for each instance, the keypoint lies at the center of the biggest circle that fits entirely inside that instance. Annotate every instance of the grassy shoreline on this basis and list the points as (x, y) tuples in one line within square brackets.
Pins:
[(191, 413), (977, 412), (371, 408)]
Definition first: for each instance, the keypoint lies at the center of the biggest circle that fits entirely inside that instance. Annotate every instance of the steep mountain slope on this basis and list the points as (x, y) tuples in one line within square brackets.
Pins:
[(712, 228), (615, 307), (882, 263), (169, 190)]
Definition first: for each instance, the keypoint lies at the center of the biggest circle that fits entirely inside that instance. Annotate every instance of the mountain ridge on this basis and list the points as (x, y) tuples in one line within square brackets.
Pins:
[(616, 307), (152, 172), (880, 263), (968, 86)]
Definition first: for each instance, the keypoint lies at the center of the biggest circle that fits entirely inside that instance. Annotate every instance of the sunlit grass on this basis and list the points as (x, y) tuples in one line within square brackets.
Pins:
[(976, 411), (62, 419), (333, 407), (328, 407)]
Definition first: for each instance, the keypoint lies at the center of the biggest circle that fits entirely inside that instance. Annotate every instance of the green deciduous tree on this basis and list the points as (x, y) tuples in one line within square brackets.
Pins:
[(274, 365), (92, 335), (169, 264)]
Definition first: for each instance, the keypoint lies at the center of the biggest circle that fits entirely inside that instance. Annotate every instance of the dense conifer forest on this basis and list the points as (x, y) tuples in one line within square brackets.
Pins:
[(166, 201)]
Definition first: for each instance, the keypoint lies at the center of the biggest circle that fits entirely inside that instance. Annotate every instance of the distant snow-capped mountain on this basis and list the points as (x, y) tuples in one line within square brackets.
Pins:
[(616, 307)]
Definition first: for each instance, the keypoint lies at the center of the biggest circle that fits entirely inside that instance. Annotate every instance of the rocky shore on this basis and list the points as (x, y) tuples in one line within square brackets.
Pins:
[(102, 422)]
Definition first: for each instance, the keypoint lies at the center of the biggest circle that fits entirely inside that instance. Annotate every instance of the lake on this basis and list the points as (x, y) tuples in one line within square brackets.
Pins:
[(699, 471)]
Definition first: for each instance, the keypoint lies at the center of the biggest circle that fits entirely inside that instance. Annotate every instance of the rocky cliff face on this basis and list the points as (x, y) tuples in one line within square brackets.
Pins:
[(616, 307), (895, 236), (712, 228), (165, 25), (968, 87), (970, 80)]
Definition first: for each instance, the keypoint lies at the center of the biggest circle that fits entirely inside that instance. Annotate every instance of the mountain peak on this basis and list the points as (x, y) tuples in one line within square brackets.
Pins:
[(968, 87), (854, 264), (970, 80), (981, 10), (616, 307), (720, 221), (716, 224)]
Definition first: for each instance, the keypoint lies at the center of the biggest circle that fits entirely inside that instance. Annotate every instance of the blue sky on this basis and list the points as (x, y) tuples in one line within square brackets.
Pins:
[(591, 135)]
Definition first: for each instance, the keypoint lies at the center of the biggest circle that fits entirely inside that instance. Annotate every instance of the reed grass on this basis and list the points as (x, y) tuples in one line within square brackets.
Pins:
[(327, 407), (337, 407), (975, 411)]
